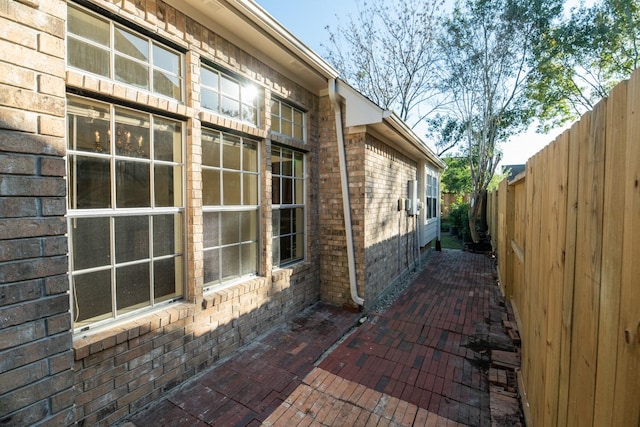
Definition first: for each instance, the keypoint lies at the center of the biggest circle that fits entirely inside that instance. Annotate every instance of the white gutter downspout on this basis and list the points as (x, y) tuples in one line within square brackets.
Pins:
[(346, 203)]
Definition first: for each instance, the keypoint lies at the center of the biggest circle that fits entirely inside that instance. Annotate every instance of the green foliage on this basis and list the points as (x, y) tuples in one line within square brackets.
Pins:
[(580, 59), (456, 179), (497, 179), (459, 216), (488, 47)]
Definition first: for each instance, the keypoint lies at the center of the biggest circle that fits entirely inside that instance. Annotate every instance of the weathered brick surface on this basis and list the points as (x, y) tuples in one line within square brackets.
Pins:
[(391, 234), (35, 364)]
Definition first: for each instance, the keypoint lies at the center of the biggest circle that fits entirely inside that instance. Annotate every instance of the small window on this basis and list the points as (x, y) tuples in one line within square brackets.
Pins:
[(288, 205), (228, 96), (100, 46), (287, 120), (431, 195)]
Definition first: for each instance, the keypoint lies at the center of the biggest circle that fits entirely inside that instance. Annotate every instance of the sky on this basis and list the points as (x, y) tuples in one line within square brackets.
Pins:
[(308, 19)]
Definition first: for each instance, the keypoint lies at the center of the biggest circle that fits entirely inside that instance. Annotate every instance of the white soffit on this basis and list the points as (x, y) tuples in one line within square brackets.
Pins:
[(386, 125), (246, 25)]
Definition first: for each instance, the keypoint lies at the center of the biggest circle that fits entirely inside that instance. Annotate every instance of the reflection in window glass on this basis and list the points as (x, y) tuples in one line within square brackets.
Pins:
[(131, 45), (88, 57), (230, 200), (288, 205), (100, 46), (229, 96), (112, 153), (92, 296), (87, 26), (287, 120), (132, 287)]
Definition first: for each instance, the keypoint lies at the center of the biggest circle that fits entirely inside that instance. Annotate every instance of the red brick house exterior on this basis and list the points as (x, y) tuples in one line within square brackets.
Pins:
[(171, 187)]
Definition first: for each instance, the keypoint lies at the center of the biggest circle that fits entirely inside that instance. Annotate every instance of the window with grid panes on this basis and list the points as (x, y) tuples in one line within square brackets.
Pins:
[(229, 96), (101, 46), (431, 195), (287, 120), (126, 210), (288, 205), (230, 194)]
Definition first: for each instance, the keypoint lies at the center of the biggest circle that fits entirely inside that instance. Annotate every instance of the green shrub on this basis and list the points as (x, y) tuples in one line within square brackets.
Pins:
[(459, 216)]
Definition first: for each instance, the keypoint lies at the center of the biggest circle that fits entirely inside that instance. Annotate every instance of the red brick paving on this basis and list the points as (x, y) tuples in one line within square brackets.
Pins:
[(410, 365), (245, 389), (415, 351)]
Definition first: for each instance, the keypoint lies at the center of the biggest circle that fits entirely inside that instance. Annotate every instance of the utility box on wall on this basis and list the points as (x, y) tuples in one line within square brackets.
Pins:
[(413, 203)]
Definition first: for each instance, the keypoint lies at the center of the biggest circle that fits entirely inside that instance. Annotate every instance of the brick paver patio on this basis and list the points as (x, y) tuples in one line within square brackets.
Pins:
[(420, 362)]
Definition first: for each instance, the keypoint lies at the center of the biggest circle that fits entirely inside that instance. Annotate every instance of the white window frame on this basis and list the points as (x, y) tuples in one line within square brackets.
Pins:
[(278, 118), (276, 207), (113, 212), (113, 53), (249, 94), (223, 208), (432, 191)]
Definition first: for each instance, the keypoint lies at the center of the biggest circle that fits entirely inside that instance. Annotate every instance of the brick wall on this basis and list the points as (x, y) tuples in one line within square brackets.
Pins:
[(46, 373), (390, 239), (120, 370), (36, 379), (334, 267), (384, 237)]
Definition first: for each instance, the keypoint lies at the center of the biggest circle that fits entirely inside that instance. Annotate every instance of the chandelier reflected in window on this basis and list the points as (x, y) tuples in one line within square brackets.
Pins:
[(126, 144)]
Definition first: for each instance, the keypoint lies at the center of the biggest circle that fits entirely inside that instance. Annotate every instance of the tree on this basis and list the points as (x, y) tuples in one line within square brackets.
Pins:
[(580, 59), (387, 52), (488, 48), (456, 178)]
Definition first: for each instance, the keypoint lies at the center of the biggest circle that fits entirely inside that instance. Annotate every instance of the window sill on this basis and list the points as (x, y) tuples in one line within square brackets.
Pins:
[(233, 290), (288, 140), (227, 122), (290, 269), (92, 342), (93, 83)]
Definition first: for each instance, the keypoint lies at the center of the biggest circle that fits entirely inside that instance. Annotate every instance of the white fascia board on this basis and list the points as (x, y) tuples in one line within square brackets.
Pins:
[(407, 133), (361, 111), (249, 27)]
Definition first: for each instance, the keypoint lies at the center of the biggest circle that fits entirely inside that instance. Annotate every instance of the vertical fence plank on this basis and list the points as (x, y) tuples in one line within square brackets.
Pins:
[(527, 338), (541, 288), (584, 339), (501, 236), (519, 241), (558, 177), (613, 220), (569, 273), (626, 409)]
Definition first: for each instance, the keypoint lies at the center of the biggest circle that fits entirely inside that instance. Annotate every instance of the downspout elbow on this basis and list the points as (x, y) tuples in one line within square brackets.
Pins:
[(346, 203)]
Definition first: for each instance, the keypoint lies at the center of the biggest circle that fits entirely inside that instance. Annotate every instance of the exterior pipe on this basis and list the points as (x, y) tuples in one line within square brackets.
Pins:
[(346, 202)]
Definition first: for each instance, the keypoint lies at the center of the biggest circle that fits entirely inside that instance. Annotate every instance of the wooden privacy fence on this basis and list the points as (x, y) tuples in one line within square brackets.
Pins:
[(567, 236)]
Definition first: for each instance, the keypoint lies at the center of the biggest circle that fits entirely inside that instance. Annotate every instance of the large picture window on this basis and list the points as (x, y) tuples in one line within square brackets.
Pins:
[(230, 204), (287, 120), (288, 199), (126, 208), (229, 96), (100, 46)]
